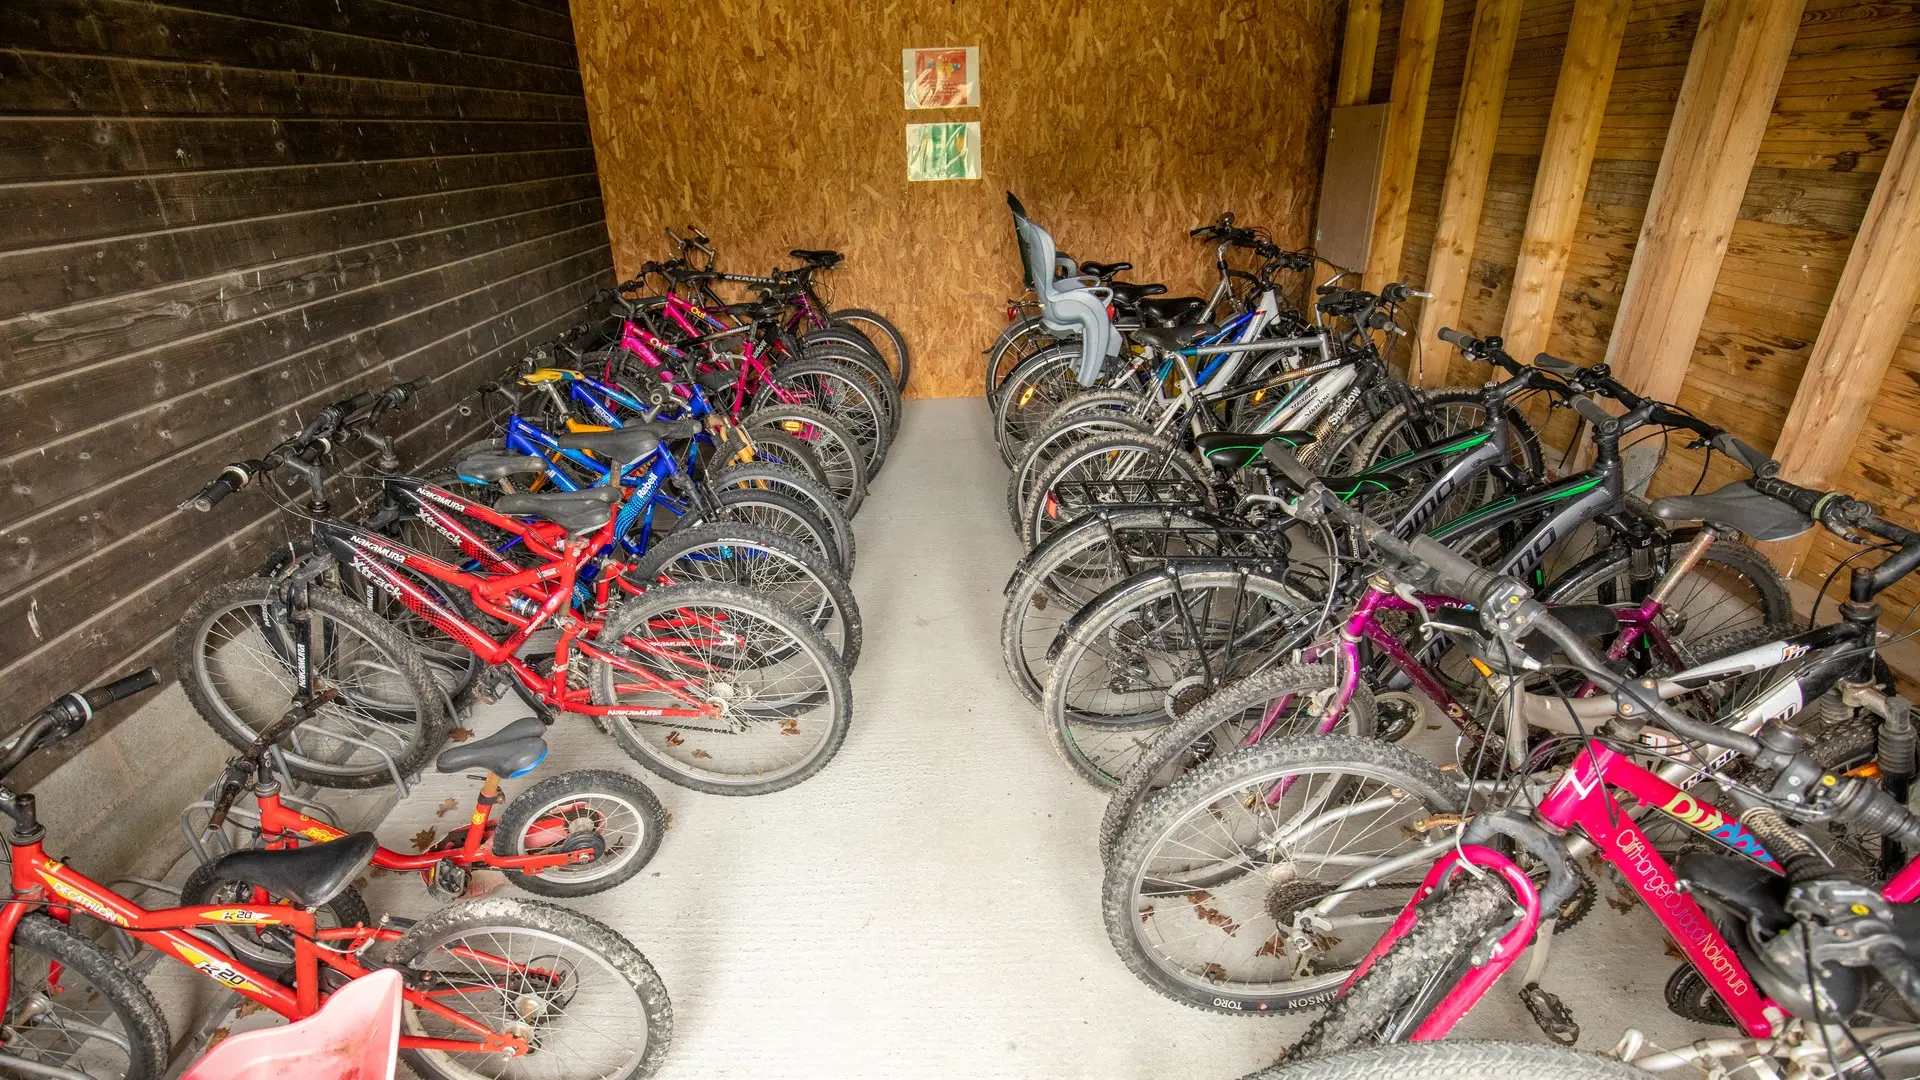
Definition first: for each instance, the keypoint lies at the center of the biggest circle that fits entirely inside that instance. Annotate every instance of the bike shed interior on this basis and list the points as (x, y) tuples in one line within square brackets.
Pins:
[(224, 213)]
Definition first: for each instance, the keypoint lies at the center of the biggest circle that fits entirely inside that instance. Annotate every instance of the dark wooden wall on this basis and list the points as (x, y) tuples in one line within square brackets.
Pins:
[(215, 217)]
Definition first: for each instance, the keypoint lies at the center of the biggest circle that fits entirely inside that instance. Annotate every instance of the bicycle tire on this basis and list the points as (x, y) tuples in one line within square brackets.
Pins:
[(1018, 341), (779, 513), (843, 465), (805, 585), (1078, 418), (1523, 436), (785, 479), (1225, 709), (1455, 1059), (1102, 745), (257, 945), (1410, 978), (1132, 917), (125, 994), (402, 665), (593, 939), (839, 338), (1030, 394), (874, 373), (1730, 557), (511, 831), (835, 388), (901, 360), (1149, 458), (834, 692)]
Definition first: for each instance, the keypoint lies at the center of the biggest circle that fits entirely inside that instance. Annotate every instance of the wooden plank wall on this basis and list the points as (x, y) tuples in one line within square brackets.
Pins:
[(1120, 125), (217, 216), (1852, 69)]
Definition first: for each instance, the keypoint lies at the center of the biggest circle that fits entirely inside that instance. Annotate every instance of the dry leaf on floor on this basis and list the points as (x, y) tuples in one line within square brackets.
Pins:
[(247, 1008), (459, 734), (424, 839), (1674, 951), (701, 754), (674, 738), (1623, 899), (446, 807), (789, 727), (219, 1034)]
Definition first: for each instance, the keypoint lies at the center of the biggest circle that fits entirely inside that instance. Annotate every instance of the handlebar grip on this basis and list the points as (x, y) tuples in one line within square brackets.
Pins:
[(120, 689), (1553, 364), (231, 479), (1461, 341), (1289, 465), (1204, 230), (1760, 464), (1591, 410), (1800, 498), (1458, 575)]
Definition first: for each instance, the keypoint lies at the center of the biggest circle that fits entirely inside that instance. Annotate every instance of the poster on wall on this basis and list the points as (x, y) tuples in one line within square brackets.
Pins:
[(947, 78), (943, 151)]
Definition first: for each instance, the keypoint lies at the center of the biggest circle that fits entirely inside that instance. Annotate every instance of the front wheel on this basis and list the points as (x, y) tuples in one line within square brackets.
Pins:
[(777, 696), (843, 463), (267, 947), (588, 1003), (885, 338), (610, 811), (1115, 468), (1732, 588), (1455, 1060), (75, 1006)]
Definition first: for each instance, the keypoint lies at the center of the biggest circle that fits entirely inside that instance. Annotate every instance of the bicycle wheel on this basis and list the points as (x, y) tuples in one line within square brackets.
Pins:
[(1732, 588), (268, 948), (1031, 393), (610, 811), (835, 389), (1454, 1059), (883, 336), (841, 460), (1215, 893), (1017, 343), (1081, 417), (770, 446), (1113, 469), (75, 1006), (777, 513), (1147, 651), (233, 651), (1290, 700), (1388, 1002), (1448, 413), (587, 1001), (1073, 566), (779, 693), (873, 372), (771, 476), (761, 563)]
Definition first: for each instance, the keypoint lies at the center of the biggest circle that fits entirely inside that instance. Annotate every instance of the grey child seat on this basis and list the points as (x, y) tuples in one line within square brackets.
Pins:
[(1068, 305)]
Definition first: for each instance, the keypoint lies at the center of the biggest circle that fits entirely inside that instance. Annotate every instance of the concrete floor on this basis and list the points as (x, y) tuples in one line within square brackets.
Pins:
[(927, 906)]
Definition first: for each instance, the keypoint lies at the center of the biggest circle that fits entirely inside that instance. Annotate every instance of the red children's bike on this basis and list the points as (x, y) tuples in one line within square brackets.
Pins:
[(489, 984)]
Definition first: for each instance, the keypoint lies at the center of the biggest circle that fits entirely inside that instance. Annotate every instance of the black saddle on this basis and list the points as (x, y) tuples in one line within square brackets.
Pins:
[(577, 512), (820, 258), (718, 379), (1737, 506), (1128, 294), (491, 465), (1106, 270), (1171, 310), (1234, 449), (309, 876), (630, 443), (509, 752), (1172, 337)]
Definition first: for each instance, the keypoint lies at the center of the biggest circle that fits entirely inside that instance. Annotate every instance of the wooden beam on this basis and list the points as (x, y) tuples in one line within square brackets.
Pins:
[(1357, 52), (1496, 24), (1872, 306), (1412, 74), (1739, 54), (1573, 130)]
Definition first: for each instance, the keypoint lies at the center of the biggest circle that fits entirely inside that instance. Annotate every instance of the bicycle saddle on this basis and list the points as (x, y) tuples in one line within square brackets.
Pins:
[(1737, 506), (575, 511), (512, 751), (1105, 270), (1234, 449), (1173, 337), (309, 876), (718, 379), (1129, 294), (491, 465), (630, 443), (818, 258), (1170, 310)]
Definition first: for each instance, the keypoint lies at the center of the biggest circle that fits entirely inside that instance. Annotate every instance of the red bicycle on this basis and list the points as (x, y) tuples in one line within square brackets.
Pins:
[(489, 983)]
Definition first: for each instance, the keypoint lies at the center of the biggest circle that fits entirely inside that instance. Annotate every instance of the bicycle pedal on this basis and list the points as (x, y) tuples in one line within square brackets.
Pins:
[(447, 880), (492, 686), (1552, 1014)]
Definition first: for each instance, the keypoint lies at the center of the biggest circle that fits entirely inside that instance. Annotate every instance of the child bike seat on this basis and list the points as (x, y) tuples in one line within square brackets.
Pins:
[(1234, 449), (1737, 506), (491, 465), (577, 512), (509, 752), (309, 876)]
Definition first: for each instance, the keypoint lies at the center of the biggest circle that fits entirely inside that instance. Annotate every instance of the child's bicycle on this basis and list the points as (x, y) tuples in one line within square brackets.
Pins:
[(488, 982)]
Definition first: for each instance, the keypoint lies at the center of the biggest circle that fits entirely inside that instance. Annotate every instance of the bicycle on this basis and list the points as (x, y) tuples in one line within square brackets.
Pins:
[(74, 1008)]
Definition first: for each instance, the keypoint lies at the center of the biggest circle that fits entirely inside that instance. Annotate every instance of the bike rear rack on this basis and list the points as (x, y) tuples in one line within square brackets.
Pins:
[(1165, 493)]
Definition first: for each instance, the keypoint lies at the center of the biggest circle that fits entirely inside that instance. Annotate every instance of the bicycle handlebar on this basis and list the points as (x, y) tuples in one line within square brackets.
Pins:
[(69, 712)]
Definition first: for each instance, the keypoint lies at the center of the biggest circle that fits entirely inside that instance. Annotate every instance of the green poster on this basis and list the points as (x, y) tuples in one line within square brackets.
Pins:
[(943, 151)]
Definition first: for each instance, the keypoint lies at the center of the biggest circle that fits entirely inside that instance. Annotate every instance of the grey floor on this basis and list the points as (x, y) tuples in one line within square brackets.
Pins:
[(928, 905)]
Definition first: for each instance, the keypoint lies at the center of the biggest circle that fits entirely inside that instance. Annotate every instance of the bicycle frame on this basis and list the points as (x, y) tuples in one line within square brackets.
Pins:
[(281, 826), (167, 930)]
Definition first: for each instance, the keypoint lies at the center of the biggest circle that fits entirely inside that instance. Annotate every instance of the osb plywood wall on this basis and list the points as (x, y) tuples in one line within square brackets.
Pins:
[(776, 124), (1852, 69)]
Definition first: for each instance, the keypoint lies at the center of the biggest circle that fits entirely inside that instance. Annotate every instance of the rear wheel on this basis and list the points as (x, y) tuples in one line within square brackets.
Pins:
[(610, 811), (1114, 469), (76, 1007), (1030, 394), (1455, 1060), (841, 459), (771, 476), (883, 336), (269, 948), (1079, 418), (587, 1002), (836, 389)]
